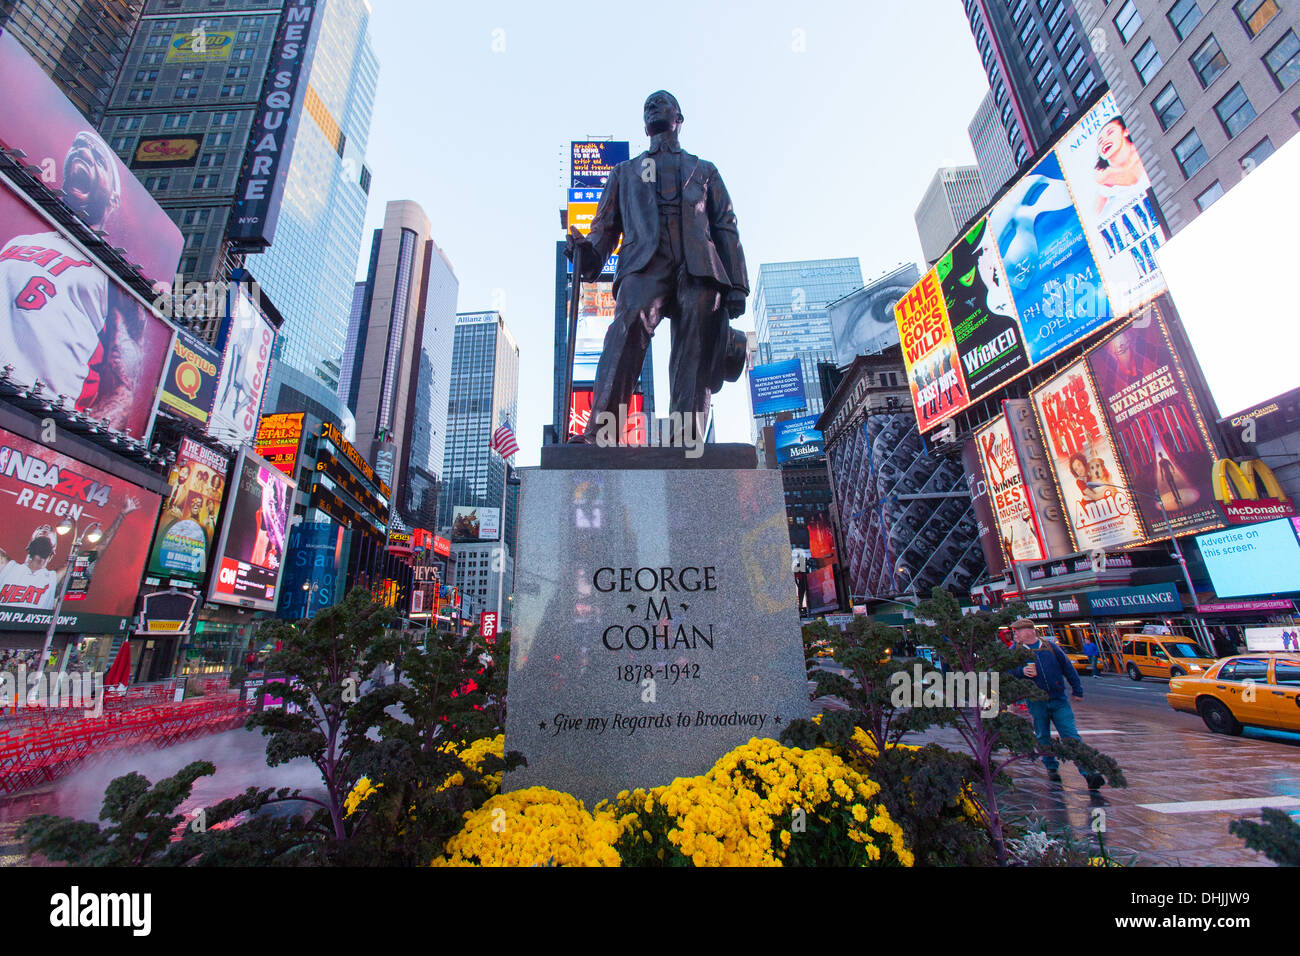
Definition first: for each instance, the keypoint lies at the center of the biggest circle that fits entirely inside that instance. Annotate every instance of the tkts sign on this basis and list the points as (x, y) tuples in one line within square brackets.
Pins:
[(1248, 480)]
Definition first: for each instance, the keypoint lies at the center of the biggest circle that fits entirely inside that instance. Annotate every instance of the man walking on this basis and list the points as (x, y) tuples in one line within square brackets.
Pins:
[(1092, 652), (1050, 669)]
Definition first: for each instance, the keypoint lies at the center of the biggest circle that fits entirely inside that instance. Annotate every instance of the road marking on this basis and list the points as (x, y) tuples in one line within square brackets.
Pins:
[(1211, 806), (1084, 733)]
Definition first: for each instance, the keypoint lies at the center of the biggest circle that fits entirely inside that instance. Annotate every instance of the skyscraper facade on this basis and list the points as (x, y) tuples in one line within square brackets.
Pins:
[(397, 375), (1040, 65), (81, 44), (1207, 90), (484, 394), (790, 315), (955, 194), (988, 137)]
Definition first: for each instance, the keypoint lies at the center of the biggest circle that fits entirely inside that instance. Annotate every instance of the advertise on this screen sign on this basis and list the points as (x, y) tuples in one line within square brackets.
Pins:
[(1099, 508)]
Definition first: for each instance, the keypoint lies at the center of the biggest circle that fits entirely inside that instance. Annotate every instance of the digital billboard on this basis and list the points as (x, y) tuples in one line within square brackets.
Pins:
[(190, 386), (1017, 534), (200, 46), (1253, 559), (75, 162), (930, 354), (245, 364), (1079, 445), (1156, 426), (279, 437), (798, 439), (981, 314), (592, 161), (166, 152), (475, 524), (250, 557), (595, 313), (777, 387), (66, 323), (38, 489), (862, 322), (634, 431), (187, 528), (1116, 205), (1054, 281)]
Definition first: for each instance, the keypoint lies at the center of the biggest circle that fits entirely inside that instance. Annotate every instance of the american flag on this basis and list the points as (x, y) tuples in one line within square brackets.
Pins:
[(503, 442)]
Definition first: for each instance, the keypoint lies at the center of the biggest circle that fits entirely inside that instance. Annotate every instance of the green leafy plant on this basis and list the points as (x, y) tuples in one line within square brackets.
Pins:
[(1275, 834)]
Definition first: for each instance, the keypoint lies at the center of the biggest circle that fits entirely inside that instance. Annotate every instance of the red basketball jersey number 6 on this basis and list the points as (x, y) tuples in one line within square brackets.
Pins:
[(36, 293)]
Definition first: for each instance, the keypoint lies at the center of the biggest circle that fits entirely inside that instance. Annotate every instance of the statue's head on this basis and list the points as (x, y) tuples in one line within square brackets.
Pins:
[(662, 113)]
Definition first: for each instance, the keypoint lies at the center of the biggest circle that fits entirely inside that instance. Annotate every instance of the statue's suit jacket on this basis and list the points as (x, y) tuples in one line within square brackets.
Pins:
[(629, 207)]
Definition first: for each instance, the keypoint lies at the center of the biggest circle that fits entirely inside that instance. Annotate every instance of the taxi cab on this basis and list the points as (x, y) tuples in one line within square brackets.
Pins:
[(1250, 690), (1148, 655)]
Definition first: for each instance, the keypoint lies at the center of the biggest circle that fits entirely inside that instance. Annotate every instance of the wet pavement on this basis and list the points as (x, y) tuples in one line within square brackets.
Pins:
[(1186, 784)]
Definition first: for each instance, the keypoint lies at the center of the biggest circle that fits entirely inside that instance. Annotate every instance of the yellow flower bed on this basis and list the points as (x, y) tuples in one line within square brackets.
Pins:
[(472, 756), (533, 827)]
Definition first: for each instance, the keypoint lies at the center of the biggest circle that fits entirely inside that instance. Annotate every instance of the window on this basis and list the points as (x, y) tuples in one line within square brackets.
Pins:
[(177, 121), (1168, 107), (1052, 96), (1284, 672), (139, 96), (1076, 60), (219, 139), (1147, 62), (1036, 51), (186, 93), (1206, 199), (129, 122), (192, 73), (1027, 30), (1208, 61), (1244, 669), (119, 143), (1065, 39), (1235, 111), (1255, 15), (224, 119), (1262, 151), (1283, 61), (1043, 73), (213, 159), (1190, 153), (236, 71), (245, 54), (156, 182), (249, 36), (146, 76), (206, 182), (1127, 21), (237, 90), (1085, 85), (1055, 18), (1184, 15)]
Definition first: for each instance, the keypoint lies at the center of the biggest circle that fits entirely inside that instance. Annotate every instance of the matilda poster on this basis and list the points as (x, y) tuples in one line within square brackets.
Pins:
[(1116, 204), (977, 298), (1156, 426), (933, 370), (1100, 511)]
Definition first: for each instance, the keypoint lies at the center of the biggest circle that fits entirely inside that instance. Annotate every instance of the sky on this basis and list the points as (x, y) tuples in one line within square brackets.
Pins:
[(825, 120)]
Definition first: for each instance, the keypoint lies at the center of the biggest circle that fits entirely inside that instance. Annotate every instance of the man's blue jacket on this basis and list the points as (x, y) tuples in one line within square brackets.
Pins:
[(1054, 669)]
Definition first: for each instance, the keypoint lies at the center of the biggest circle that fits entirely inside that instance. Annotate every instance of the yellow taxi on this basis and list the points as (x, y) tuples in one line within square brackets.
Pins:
[(1250, 690), (1150, 655), (1080, 661)]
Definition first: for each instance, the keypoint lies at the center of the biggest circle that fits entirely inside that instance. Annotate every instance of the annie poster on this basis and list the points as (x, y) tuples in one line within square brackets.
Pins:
[(1156, 426), (933, 369), (1099, 509)]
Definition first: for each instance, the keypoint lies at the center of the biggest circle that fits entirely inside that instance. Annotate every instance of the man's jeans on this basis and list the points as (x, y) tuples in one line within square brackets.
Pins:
[(1046, 713)]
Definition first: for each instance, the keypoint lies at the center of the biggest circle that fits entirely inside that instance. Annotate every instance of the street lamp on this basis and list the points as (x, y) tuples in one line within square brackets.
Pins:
[(1182, 562), (91, 535)]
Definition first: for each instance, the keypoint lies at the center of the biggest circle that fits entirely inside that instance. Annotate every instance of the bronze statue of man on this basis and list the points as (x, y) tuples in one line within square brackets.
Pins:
[(681, 258)]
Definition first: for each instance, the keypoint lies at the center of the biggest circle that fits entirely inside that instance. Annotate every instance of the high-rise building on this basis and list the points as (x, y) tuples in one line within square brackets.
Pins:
[(1207, 90), (484, 395), (181, 115), (81, 44), (1040, 65), (397, 374), (790, 316), (988, 137), (955, 194)]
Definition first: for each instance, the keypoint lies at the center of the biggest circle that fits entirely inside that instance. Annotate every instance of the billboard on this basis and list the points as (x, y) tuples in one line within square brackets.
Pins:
[(250, 557), (279, 437), (75, 162), (166, 152), (270, 141), (245, 362), (1054, 280), (595, 313), (981, 500), (200, 46), (777, 387), (1039, 477), (930, 354), (1081, 452), (190, 387), (634, 430), (1116, 205), (981, 314), (475, 524), (39, 488), (66, 323), (591, 162), (1249, 235), (1016, 531), (798, 439), (187, 528), (1253, 559), (1156, 426), (862, 322)]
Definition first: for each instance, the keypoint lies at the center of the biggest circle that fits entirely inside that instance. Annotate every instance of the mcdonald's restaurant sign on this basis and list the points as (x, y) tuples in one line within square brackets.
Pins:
[(1249, 492)]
